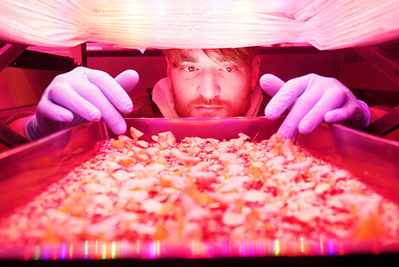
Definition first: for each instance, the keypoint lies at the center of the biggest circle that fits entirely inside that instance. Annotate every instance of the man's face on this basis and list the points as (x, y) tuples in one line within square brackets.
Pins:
[(205, 86)]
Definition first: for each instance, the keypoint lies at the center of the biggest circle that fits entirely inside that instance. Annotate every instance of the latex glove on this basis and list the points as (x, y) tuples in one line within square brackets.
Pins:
[(83, 95), (312, 99)]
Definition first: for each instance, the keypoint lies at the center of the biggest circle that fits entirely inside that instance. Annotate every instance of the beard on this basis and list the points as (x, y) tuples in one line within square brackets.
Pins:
[(224, 108)]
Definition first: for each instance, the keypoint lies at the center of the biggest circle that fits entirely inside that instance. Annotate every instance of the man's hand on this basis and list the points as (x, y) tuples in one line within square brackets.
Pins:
[(83, 95), (312, 99)]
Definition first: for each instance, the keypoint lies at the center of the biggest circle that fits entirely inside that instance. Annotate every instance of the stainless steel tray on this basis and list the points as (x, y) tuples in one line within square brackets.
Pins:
[(27, 170)]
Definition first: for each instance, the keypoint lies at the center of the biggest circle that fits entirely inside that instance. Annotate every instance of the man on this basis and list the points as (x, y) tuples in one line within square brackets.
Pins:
[(200, 83), (206, 83)]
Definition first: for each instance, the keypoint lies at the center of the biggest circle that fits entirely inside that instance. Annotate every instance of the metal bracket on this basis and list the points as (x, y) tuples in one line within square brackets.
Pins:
[(390, 68), (9, 52), (382, 61), (386, 124), (79, 54), (9, 137)]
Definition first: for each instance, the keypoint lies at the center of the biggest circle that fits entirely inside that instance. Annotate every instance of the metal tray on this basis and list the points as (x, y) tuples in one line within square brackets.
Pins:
[(27, 170)]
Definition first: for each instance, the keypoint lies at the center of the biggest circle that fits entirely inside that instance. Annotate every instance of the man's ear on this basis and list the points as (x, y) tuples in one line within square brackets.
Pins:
[(255, 66)]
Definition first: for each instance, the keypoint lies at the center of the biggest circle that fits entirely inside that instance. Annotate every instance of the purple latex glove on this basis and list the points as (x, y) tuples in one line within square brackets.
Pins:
[(312, 99), (83, 95)]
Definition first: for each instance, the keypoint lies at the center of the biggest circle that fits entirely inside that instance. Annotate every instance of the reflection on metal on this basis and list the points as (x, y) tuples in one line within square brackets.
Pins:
[(220, 128), (373, 159), (28, 169)]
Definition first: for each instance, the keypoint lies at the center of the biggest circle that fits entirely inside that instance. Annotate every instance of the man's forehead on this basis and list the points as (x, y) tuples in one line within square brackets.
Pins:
[(187, 55), (191, 55)]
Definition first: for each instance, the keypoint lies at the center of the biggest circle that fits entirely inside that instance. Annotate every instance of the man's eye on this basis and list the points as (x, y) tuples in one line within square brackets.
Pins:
[(228, 69), (190, 68)]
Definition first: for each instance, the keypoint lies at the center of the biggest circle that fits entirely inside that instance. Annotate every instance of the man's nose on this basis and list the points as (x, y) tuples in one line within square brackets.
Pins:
[(208, 87)]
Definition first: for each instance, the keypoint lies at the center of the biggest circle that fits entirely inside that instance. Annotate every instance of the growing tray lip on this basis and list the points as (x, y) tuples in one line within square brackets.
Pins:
[(159, 249)]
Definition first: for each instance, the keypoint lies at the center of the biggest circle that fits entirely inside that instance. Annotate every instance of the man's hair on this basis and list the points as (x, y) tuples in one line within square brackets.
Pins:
[(241, 56)]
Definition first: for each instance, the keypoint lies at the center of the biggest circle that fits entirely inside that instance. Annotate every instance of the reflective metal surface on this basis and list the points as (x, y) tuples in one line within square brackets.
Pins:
[(28, 169), (373, 159)]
